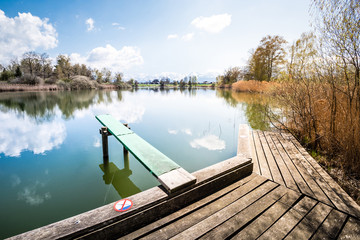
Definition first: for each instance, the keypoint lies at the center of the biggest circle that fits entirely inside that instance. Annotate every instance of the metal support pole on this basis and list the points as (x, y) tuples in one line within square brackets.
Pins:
[(104, 134), (126, 152), (126, 161)]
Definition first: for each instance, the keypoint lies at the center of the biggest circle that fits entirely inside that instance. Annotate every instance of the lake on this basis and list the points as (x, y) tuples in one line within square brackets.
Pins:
[(51, 156)]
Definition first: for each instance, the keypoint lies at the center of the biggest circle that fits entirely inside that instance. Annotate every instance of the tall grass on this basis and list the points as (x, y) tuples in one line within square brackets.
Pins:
[(324, 119), (254, 86)]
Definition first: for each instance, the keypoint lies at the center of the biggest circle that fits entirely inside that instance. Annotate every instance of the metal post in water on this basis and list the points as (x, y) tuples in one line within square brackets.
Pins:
[(126, 152), (126, 160), (104, 134)]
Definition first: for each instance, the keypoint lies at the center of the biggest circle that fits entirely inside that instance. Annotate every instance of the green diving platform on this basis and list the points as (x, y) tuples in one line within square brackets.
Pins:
[(172, 176)]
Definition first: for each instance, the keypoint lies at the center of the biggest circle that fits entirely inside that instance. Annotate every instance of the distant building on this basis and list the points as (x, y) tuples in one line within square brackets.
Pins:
[(155, 81)]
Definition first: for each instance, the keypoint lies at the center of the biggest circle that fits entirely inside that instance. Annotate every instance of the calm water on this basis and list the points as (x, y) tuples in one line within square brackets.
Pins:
[(50, 146)]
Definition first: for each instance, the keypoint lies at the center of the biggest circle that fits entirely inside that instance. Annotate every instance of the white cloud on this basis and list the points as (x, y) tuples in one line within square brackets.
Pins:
[(172, 36), (90, 24), (110, 57), (118, 26), (23, 33), (210, 142), (188, 37), (213, 24), (18, 135)]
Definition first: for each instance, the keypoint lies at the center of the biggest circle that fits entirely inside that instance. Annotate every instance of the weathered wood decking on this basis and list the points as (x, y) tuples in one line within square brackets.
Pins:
[(272, 189), (293, 199), (280, 157), (254, 207)]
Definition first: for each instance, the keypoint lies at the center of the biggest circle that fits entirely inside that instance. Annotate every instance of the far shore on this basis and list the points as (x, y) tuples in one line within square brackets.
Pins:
[(7, 87), (250, 86)]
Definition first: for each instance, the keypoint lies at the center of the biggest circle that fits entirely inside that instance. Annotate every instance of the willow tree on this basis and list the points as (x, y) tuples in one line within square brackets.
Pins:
[(267, 57)]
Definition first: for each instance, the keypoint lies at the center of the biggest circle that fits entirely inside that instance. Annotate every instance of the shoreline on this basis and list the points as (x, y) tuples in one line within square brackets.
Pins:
[(8, 87)]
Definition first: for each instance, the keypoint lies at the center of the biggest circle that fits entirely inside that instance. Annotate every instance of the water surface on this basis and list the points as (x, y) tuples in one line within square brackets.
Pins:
[(50, 148)]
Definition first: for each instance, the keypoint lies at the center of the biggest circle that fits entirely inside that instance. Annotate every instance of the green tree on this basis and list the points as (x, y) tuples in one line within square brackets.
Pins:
[(30, 64), (99, 76), (118, 77), (46, 67), (264, 62), (63, 67), (230, 76), (18, 72), (107, 75)]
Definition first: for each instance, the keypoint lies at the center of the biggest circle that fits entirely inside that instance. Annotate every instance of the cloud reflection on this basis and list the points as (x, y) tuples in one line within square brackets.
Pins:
[(32, 196), (97, 142), (172, 131), (21, 134), (15, 180), (210, 142)]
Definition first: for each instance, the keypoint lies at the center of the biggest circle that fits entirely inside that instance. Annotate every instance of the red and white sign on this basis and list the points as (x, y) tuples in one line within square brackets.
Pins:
[(123, 205)]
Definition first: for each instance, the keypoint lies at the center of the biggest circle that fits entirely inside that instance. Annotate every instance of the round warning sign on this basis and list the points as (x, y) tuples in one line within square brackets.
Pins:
[(123, 205)]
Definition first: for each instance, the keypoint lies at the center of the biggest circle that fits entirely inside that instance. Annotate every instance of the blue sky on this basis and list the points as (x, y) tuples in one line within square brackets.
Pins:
[(146, 39)]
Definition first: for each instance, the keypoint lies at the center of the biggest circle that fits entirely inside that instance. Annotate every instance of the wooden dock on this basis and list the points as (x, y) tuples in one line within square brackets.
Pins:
[(288, 196), (272, 189)]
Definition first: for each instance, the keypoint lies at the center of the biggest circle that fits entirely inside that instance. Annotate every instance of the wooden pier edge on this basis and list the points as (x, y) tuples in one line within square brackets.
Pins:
[(149, 205)]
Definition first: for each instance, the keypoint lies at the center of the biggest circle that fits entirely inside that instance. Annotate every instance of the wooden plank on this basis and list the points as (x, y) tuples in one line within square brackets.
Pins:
[(151, 158), (263, 164), (254, 156), (298, 159), (230, 226), (288, 179), (275, 172), (221, 168), (188, 209), (351, 229), (176, 179), (300, 182), (331, 227), (310, 222), (244, 141), (334, 198), (225, 213), (289, 220), (265, 220), (113, 125), (191, 219), (351, 205)]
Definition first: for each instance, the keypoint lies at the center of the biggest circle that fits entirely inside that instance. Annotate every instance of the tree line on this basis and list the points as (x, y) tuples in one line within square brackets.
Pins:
[(35, 68), (265, 63), (319, 77)]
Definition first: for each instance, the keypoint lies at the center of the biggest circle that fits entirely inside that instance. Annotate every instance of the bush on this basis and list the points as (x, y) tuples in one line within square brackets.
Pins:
[(29, 79), (82, 82), (6, 75)]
